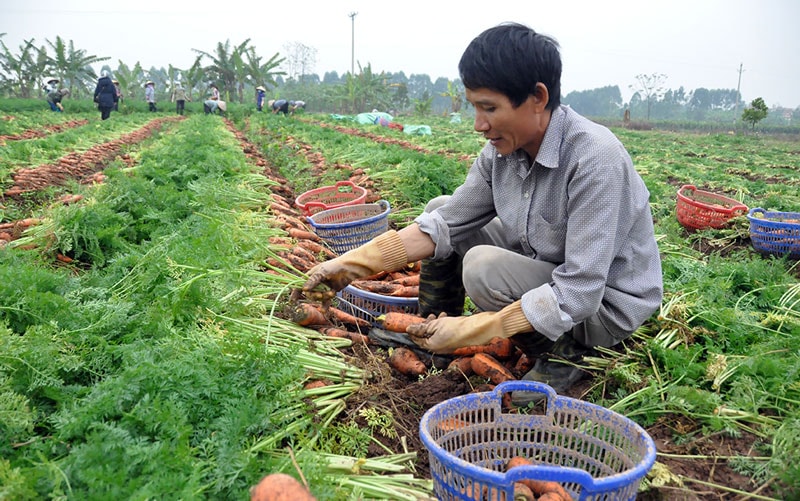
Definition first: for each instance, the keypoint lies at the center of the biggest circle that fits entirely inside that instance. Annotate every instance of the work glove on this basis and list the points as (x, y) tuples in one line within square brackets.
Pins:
[(445, 334), (385, 252)]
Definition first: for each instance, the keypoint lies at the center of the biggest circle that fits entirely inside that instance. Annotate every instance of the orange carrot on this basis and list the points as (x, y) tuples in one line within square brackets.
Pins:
[(523, 493), (540, 487), (63, 258), (407, 280), (280, 487), (316, 248), (452, 424), (347, 318), (500, 348), (524, 364), (398, 321), (298, 262), (317, 383), (306, 314), (487, 366), (304, 254), (407, 362), (355, 337), (302, 234), (386, 288), (462, 365)]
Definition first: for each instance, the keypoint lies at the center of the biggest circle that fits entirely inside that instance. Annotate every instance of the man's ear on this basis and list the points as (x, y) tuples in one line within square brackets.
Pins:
[(541, 97)]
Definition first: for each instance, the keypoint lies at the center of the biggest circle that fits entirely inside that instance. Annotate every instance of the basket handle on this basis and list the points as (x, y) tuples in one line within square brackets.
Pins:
[(757, 212), (687, 187), (348, 183), (522, 385)]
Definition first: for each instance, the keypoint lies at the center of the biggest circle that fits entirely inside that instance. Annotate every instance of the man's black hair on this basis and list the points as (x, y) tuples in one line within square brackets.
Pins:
[(512, 58)]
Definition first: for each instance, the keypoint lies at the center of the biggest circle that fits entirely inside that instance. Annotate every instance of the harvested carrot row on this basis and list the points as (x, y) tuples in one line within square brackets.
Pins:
[(407, 362), (398, 321), (487, 366)]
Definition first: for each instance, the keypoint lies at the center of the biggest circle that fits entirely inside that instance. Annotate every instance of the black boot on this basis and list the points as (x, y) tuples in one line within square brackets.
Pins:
[(558, 369), (440, 287)]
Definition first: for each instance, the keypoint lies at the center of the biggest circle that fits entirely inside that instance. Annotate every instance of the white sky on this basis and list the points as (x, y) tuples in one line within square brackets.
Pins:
[(696, 43)]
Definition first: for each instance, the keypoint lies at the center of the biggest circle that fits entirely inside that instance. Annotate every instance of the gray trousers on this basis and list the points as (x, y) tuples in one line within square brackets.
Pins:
[(495, 275)]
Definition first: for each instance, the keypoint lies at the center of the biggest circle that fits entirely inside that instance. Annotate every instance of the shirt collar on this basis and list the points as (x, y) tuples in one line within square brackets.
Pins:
[(551, 144)]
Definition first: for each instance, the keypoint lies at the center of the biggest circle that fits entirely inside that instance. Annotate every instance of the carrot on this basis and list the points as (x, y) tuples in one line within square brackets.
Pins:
[(407, 362), (306, 314), (302, 234), (487, 366), (500, 348), (452, 424), (316, 248), (304, 254), (523, 493), (63, 258), (347, 318), (407, 280), (386, 288), (524, 364), (398, 321), (298, 262), (280, 487), (317, 383), (540, 487), (462, 365), (355, 337)]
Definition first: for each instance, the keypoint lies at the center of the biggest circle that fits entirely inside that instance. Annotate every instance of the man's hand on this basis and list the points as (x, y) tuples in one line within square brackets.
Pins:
[(385, 252), (445, 334)]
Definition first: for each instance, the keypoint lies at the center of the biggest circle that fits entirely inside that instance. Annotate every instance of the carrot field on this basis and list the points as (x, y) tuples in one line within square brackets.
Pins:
[(149, 347)]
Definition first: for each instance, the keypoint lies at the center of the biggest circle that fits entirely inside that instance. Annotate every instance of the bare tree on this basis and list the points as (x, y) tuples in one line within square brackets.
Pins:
[(650, 88), (300, 59)]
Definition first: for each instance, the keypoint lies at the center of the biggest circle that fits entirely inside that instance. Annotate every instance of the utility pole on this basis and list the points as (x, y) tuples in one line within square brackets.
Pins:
[(738, 95), (353, 43)]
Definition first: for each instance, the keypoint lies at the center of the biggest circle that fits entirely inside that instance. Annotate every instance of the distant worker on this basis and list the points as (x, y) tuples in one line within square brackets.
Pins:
[(54, 98), (296, 105), (279, 106), (150, 95), (261, 94), (105, 95), (118, 90), (179, 97), (211, 106), (214, 92), (50, 84)]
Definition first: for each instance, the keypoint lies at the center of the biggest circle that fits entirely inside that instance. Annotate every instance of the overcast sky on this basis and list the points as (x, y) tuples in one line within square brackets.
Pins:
[(695, 43)]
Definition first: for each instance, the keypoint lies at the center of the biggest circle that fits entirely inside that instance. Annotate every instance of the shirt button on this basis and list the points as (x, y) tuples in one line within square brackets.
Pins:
[(526, 194)]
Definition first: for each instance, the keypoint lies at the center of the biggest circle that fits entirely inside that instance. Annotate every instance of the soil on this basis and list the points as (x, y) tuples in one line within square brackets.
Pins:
[(699, 463)]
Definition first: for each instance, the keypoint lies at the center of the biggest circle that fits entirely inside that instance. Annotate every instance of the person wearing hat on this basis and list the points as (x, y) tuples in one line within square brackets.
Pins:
[(261, 93), (105, 95), (50, 84), (150, 94), (54, 98), (179, 97), (211, 106), (118, 91), (214, 92), (279, 106)]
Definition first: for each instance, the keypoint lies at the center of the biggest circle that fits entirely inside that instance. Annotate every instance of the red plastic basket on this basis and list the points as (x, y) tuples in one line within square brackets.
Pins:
[(319, 199), (698, 209)]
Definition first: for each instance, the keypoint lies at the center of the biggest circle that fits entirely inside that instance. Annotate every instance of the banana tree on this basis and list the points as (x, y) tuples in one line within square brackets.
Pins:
[(73, 66), (20, 73), (223, 67), (456, 95)]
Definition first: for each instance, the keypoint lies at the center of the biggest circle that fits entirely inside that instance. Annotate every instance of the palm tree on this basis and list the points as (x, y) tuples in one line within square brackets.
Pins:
[(73, 66)]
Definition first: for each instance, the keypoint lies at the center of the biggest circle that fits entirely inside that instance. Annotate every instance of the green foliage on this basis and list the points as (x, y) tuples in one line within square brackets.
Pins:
[(756, 112)]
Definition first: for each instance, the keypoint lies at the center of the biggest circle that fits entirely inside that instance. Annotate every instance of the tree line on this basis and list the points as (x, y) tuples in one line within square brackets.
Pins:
[(238, 69)]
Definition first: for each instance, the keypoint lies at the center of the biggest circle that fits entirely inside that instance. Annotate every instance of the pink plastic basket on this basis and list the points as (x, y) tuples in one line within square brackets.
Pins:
[(328, 197)]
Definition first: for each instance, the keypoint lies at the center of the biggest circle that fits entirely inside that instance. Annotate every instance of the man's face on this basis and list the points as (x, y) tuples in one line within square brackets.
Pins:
[(506, 127)]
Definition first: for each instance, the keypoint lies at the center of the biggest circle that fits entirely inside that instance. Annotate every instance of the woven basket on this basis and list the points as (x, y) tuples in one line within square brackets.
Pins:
[(698, 209), (775, 233)]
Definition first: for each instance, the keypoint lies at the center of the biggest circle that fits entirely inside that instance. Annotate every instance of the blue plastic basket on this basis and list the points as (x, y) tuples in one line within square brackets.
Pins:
[(593, 452), (775, 232), (369, 306), (347, 227)]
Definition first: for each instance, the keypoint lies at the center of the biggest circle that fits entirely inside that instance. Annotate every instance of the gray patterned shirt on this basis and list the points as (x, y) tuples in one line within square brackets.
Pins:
[(582, 206)]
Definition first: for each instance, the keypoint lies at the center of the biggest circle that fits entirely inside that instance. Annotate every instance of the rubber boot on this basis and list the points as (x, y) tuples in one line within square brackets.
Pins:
[(558, 369), (440, 287)]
